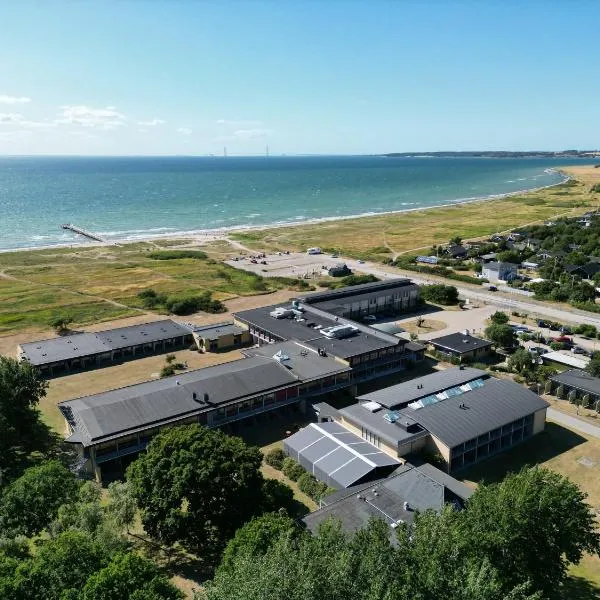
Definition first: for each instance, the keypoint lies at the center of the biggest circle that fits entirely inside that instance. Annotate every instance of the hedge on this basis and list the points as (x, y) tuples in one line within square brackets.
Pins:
[(291, 469), (275, 458)]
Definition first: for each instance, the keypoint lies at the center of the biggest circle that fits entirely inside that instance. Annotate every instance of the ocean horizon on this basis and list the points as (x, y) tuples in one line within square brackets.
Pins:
[(133, 198)]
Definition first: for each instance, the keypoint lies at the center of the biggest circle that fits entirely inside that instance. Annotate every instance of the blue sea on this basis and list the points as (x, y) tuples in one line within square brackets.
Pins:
[(139, 197)]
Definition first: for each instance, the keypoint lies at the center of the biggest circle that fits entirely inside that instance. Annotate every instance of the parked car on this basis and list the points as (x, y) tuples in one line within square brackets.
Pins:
[(554, 326), (369, 318), (563, 339), (566, 330), (542, 323), (580, 350), (492, 288), (538, 350)]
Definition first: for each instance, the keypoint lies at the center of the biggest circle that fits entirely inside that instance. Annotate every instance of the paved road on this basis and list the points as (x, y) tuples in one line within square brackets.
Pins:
[(573, 422), (570, 316)]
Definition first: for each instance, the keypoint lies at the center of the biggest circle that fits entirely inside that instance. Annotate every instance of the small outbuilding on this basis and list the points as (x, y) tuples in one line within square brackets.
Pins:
[(221, 336), (462, 345)]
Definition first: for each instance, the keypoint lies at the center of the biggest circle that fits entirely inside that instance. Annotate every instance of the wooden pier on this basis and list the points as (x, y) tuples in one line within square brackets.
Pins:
[(83, 232)]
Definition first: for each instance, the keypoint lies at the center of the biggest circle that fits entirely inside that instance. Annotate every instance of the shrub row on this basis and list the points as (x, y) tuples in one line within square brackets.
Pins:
[(307, 483), (181, 304), (176, 254)]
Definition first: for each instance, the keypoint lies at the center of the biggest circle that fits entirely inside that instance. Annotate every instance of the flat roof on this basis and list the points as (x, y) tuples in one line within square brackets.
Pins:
[(302, 360), (115, 413), (414, 389), (308, 331), (580, 380), (374, 421), (333, 453), (460, 342), (357, 290), (214, 332), (78, 345), (565, 359), (497, 403)]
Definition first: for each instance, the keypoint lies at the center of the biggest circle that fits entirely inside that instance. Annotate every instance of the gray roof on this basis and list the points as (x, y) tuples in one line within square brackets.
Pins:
[(88, 344), (496, 266), (460, 342), (114, 413), (383, 499), (389, 432), (355, 291), (214, 332), (498, 402), (303, 361), (335, 455), (580, 380), (364, 340), (409, 391)]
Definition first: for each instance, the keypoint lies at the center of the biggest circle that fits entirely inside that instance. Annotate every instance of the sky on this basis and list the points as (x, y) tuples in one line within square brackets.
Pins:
[(154, 77)]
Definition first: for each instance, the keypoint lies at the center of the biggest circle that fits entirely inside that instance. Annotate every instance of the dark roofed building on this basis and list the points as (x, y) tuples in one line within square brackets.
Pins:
[(586, 271), (577, 382), (463, 346), (457, 252), (465, 418), (117, 424), (97, 349), (401, 394), (395, 499)]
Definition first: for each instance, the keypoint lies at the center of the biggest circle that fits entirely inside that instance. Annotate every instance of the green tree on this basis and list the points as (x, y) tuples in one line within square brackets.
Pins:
[(197, 486), (593, 367), (521, 363), (502, 336), (129, 576), (531, 526), (31, 502), (121, 505), (499, 317), (21, 429), (61, 323), (440, 294), (257, 536), (509, 256), (60, 567)]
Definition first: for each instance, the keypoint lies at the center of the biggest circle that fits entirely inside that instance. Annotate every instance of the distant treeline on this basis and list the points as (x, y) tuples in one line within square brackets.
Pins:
[(500, 154)]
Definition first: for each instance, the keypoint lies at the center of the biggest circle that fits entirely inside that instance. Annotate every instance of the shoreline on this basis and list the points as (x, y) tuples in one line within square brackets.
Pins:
[(211, 235)]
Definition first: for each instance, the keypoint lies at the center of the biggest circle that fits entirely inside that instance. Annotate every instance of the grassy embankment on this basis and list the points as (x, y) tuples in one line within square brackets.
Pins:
[(380, 237), (101, 283)]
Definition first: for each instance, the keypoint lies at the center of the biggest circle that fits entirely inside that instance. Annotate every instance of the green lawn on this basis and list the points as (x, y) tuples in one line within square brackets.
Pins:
[(101, 283)]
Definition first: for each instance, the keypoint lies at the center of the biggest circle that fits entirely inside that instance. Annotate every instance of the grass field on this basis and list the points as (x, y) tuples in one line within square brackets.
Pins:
[(380, 237), (101, 283), (572, 454)]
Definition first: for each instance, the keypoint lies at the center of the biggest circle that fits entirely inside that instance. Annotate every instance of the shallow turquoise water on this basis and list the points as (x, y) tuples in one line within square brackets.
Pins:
[(130, 198)]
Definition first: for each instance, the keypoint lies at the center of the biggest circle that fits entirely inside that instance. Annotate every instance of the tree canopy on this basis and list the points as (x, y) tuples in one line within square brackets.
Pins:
[(440, 294), (21, 429), (32, 501), (197, 486), (501, 335), (593, 367), (499, 317)]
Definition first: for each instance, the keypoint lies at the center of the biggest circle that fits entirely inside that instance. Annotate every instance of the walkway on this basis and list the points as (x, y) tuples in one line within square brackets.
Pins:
[(573, 422)]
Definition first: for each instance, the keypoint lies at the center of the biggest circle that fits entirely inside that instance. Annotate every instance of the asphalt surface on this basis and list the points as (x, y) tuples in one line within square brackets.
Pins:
[(573, 422)]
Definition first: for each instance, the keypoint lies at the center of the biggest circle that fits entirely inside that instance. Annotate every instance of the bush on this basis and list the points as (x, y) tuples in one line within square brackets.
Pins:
[(275, 457), (291, 469), (308, 484), (167, 371), (176, 254), (499, 317), (440, 294)]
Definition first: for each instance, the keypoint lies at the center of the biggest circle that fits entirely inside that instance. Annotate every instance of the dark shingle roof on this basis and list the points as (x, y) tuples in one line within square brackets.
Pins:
[(87, 344), (498, 402), (579, 379), (414, 389), (116, 412), (460, 342)]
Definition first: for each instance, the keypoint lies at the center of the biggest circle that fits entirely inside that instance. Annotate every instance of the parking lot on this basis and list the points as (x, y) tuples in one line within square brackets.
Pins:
[(294, 264)]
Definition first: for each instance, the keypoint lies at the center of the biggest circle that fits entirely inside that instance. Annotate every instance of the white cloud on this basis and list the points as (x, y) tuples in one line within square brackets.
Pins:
[(151, 123), (241, 124), (143, 130), (251, 134), (184, 131), (11, 118), (20, 121), (85, 116), (4, 99)]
